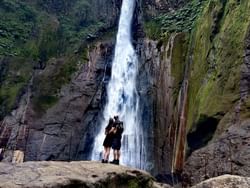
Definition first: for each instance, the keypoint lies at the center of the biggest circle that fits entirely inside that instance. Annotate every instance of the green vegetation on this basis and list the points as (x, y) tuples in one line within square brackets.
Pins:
[(217, 58), (179, 55), (16, 76), (32, 29), (183, 19), (153, 29), (216, 30), (133, 184), (32, 33), (16, 25), (180, 20)]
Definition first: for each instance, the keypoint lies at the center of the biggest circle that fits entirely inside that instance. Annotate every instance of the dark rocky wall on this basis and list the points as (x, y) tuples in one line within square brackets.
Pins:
[(55, 113), (202, 99), (161, 73), (228, 152), (66, 131)]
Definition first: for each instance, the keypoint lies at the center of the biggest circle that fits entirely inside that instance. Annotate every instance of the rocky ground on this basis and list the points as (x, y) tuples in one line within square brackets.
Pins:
[(72, 174), (89, 174)]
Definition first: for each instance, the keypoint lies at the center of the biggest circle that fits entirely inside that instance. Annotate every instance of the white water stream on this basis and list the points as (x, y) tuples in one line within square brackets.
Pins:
[(122, 96)]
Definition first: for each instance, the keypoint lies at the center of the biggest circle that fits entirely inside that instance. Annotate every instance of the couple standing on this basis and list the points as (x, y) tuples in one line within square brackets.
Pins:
[(113, 138)]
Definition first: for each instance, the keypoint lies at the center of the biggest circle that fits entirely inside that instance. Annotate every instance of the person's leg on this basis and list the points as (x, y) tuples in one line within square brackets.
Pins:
[(107, 154), (113, 153), (104, 154), (114, 149), (114, 156), (118, 154)]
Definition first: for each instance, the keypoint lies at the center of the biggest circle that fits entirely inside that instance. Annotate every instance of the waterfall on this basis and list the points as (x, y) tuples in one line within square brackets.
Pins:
[(122, 96)]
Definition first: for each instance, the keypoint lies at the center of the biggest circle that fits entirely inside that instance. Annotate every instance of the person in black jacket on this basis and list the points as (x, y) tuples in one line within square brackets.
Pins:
[(117, 137), (107, 143)]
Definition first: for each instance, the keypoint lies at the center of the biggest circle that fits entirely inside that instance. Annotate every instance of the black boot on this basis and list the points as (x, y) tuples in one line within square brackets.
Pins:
[(104, 161), (113, 162), (116, 162)]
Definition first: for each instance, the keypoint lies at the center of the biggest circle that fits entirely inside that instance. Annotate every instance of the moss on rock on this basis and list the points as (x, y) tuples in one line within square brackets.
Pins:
[(217, 59), (13, 82)]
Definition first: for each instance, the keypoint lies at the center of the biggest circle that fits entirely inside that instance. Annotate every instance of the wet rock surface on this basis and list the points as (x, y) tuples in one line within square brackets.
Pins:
[(158, 87)]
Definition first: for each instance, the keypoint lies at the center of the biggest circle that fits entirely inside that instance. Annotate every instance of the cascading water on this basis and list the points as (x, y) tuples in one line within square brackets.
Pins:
[(122, 95)]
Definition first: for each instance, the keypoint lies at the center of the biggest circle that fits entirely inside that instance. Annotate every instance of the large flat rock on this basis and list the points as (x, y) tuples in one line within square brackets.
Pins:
[(84, 174)]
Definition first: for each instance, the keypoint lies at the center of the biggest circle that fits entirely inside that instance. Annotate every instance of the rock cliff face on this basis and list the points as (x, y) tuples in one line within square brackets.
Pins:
[(162, 70), (201, 107), (198, 86), (193, 83), (53, 103), (67, 129)]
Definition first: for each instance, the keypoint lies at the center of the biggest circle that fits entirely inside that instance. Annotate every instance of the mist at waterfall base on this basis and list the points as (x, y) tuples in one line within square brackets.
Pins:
[(122, 96)]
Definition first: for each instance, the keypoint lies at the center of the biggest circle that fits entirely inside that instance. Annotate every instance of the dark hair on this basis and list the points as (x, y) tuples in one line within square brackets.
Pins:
[(111, 120), (116, 117), (109, 126)]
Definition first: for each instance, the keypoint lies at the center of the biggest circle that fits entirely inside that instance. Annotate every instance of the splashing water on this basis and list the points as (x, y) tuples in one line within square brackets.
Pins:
[(122, 95)]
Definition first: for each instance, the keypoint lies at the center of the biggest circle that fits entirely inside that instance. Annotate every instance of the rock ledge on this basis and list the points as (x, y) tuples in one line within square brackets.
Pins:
[(84, 174)]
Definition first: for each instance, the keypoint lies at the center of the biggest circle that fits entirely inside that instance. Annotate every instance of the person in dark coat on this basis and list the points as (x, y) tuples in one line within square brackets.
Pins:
[(117, 137), (107, 143)]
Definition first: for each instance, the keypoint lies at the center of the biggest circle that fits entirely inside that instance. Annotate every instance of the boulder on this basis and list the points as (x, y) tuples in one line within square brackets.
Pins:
[(227, 181)]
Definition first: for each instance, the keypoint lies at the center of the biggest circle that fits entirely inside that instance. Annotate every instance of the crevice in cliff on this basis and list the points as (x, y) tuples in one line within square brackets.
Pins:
[(203, 133), (217, 18), (179, 127)]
